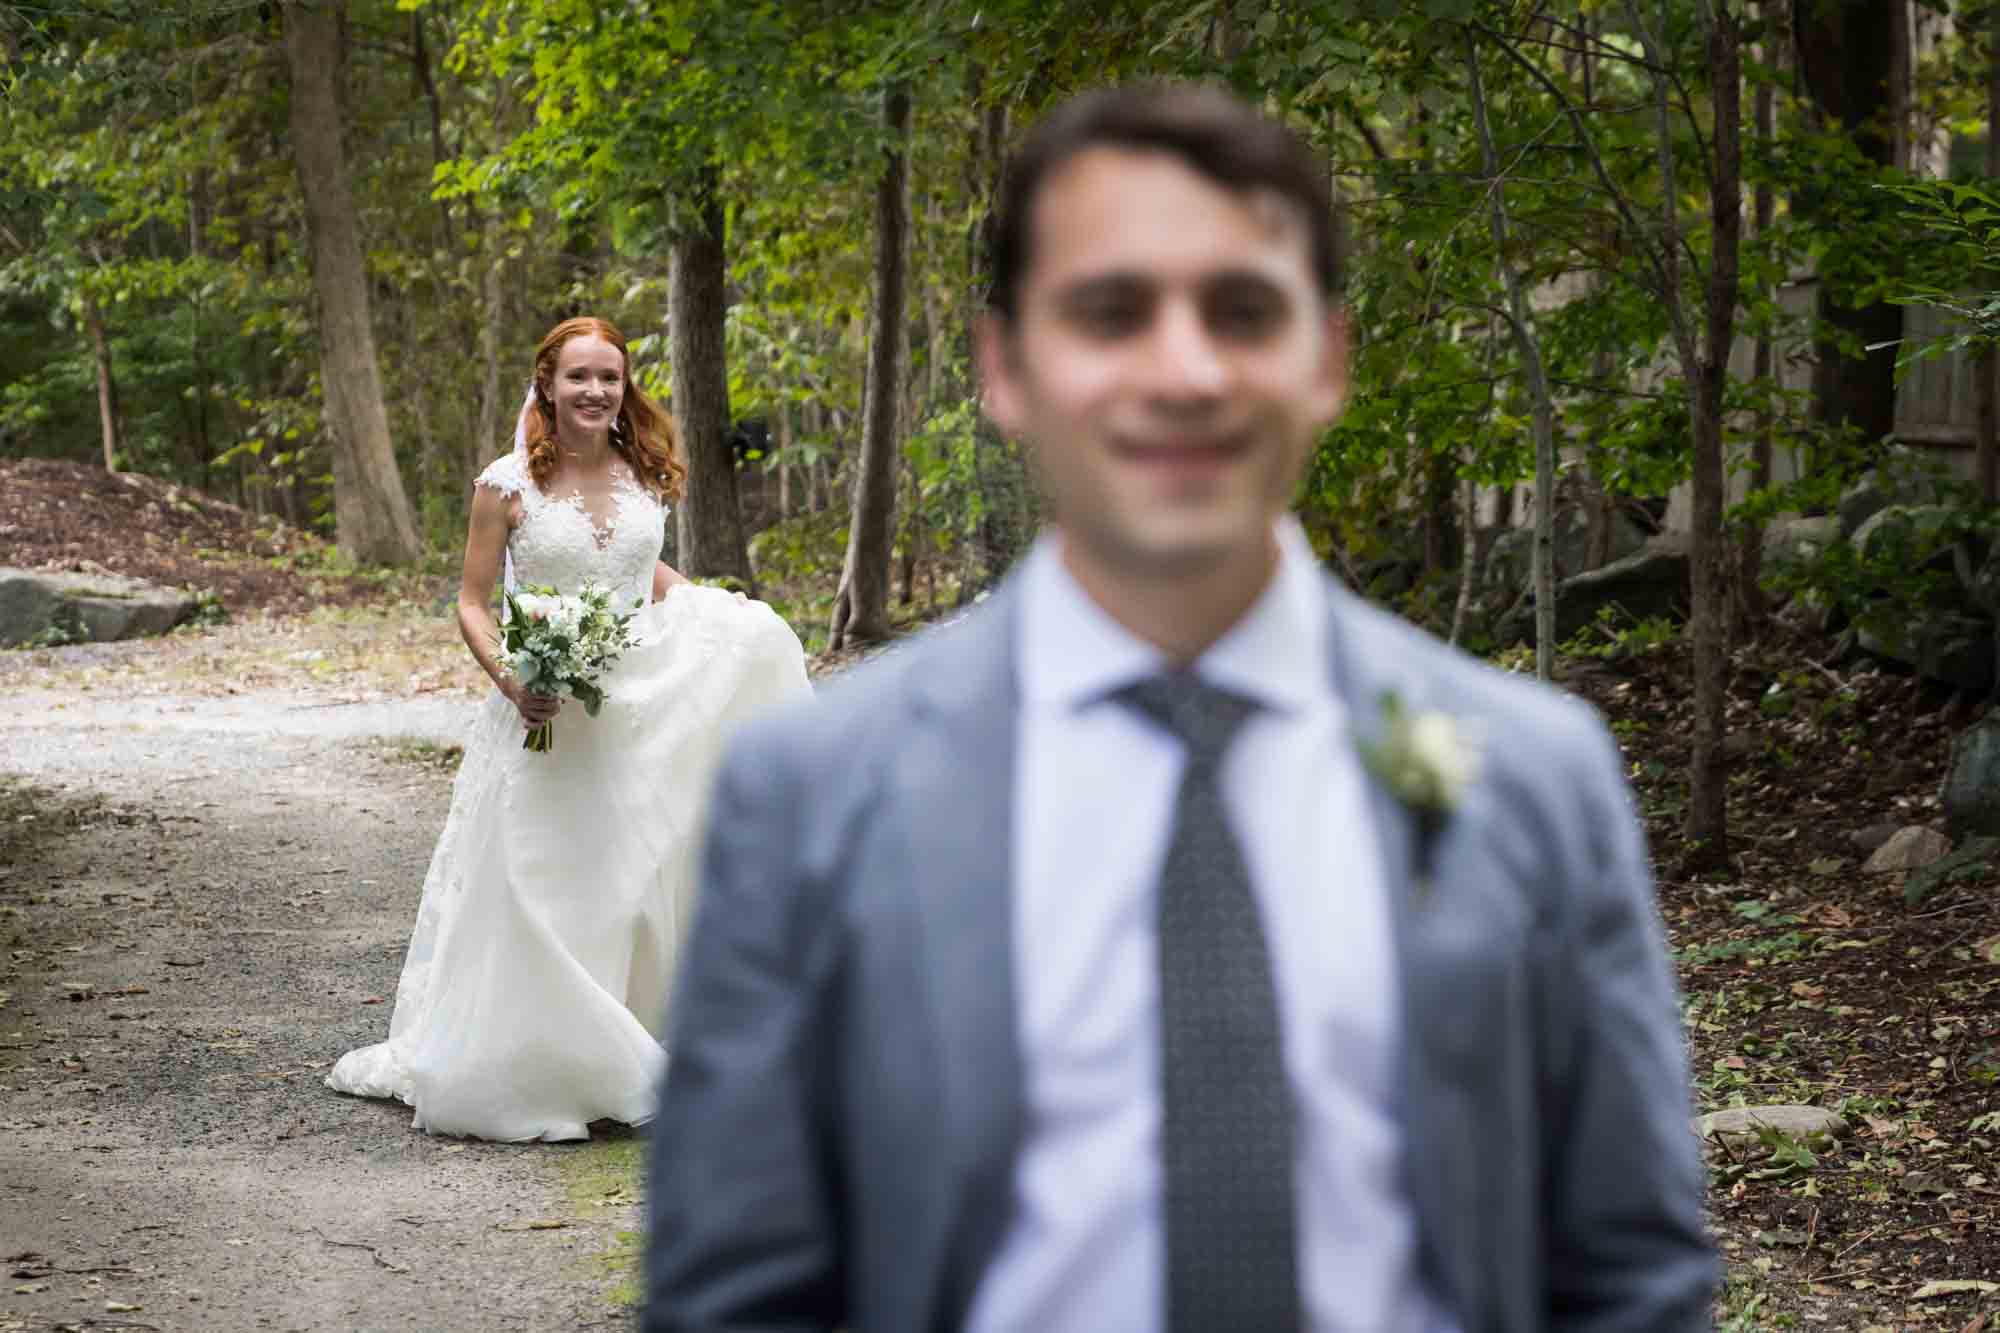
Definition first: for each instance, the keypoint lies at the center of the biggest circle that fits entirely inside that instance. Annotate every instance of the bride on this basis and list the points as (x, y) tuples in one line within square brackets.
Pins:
[(536, 983)]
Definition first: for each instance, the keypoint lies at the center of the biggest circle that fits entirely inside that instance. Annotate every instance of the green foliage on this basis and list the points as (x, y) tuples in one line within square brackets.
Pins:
[(1615, 636)]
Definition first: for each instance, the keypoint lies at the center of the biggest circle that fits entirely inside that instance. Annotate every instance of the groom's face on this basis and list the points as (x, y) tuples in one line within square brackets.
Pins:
[(1170, 362)]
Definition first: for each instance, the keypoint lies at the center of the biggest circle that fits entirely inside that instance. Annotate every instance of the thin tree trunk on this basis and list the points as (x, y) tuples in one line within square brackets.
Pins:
[(1986, 364), (487, 438), (1705, 369), (1542, 405), (785, 464), (1750, 563), (420, 57), (711, 521), (107, 388), (861, 608), (372, 516), (1708, 788)]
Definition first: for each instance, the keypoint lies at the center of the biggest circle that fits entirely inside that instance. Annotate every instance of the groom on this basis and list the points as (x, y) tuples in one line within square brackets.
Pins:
[(1178, 943)]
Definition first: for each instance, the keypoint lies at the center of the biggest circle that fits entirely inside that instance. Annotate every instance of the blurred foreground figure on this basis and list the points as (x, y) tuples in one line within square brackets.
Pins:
[(1178, 943)]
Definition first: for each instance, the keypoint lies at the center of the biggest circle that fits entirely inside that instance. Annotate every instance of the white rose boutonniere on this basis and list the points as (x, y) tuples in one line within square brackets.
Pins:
[(1426, 760)]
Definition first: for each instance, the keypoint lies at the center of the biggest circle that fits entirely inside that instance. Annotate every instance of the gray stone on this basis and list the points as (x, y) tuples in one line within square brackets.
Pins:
[(1654, 582), (1793, 541), (1957, 650), (1971, 791), (1973, 860), (1900, 481), (1739, 1124), (1910, 849), (1872, 837), (1917, 527), (36, 606), (1510, 559)]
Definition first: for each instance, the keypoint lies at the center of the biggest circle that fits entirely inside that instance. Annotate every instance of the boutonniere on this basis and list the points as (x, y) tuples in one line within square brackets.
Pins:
[(1426, 760)]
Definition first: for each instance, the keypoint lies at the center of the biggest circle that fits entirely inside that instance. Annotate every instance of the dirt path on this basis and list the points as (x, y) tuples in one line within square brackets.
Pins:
[(203, 901)]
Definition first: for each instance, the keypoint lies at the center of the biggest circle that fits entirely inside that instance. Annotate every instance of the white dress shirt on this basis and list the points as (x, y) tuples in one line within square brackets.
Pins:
[(1084, 1251)]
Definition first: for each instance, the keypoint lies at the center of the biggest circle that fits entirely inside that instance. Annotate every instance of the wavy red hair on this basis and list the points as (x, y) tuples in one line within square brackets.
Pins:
[(644, 434)]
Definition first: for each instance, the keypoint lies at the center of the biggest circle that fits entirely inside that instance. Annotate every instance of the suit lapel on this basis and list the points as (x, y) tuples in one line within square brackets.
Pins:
[(958, 773), (1362, 661)]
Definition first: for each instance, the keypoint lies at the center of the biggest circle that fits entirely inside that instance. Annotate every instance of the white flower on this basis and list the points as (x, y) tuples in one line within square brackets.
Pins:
[(1444, 749), (1426, 760), (534, 605)]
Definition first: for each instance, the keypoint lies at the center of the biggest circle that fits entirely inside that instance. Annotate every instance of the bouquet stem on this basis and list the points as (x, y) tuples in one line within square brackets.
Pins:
[(542, 739)]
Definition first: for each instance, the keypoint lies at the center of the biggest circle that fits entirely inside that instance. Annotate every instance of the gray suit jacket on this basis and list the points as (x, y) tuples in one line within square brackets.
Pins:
[(843, 1102)]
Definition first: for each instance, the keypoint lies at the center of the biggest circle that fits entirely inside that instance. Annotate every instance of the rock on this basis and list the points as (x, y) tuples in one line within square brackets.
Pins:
[(1872, 837), (1955, 649), (1792, 541), (1909, 849), (1739, 1124), (1653, 582), (1913, 529), (1900, 482), (1510, 559), (38, 606), (1973, 860), (1971, 791)]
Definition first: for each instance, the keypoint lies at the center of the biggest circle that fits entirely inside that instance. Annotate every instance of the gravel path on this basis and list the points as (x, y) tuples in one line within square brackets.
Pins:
[(206, 902)]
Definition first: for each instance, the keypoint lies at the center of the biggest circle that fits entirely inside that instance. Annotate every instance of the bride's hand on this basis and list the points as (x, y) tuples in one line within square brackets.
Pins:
[(535, 709)]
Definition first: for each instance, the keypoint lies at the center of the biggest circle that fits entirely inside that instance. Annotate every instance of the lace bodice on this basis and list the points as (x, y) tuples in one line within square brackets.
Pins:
[(559, 545)]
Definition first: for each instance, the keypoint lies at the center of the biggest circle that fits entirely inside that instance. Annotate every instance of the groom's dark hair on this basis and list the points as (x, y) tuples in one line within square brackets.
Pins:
[(1209, 130)]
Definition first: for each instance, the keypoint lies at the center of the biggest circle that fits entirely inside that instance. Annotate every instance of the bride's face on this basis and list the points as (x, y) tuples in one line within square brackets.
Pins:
[(589, 386)]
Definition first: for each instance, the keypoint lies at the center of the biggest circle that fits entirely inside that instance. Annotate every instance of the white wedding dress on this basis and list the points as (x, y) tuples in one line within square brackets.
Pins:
[(536, 983)]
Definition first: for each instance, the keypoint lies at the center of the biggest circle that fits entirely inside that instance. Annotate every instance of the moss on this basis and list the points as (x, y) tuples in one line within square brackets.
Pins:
[(606, 1173)]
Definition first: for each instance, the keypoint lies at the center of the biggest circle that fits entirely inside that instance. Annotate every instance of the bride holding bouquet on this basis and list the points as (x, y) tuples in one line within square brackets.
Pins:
[(536, 982)]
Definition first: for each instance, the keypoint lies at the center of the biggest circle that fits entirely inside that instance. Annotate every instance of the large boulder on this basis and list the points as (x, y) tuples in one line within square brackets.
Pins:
[(1651, 582), (1971, 791), (1913, 531), (1899, 482), (1510, 559), (37, 606), (1795, 541), (1953, 649)]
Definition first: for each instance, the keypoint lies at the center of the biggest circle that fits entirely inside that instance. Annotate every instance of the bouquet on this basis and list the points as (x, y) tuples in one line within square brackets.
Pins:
[(553, 644)]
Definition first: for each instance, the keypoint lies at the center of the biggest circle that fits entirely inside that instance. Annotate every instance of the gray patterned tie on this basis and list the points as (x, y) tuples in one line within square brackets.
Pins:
[(1226, 1106)]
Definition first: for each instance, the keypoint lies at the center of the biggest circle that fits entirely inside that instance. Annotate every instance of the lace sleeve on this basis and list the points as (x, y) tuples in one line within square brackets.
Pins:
[(505, 475)]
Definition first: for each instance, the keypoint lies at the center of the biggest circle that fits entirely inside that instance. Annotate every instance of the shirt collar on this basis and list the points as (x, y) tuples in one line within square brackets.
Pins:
[(1072, 653)]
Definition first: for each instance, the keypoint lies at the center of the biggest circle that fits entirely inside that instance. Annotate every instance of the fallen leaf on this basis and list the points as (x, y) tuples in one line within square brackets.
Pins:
[(30, 1288), (534, 1224), (120, 1307), (1954, 1286), (1769, 1238), (373, 999)]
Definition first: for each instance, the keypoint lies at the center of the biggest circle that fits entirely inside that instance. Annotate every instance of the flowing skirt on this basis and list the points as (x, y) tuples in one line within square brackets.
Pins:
[(534, 992)]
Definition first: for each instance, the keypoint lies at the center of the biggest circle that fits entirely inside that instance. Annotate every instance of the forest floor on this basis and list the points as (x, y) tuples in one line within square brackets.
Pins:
[(211, 845)]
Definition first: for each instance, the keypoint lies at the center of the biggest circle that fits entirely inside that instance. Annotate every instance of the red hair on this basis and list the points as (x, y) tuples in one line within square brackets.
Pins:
[(644, 434)]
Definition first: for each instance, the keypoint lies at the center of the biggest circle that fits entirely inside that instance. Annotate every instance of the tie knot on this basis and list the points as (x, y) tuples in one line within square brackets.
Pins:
[(1204, 717)]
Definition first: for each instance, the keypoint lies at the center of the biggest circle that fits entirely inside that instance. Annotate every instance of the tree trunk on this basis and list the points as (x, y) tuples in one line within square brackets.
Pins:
[(1705, 369), (487, 439), (1538, 385), (420, 58), (1986, 364), (107, 388), (785, 464), (861, 608), (372, 517), (711, 522), (1441, 511), (1750, 560), (1847, 52), (1708, 786)]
